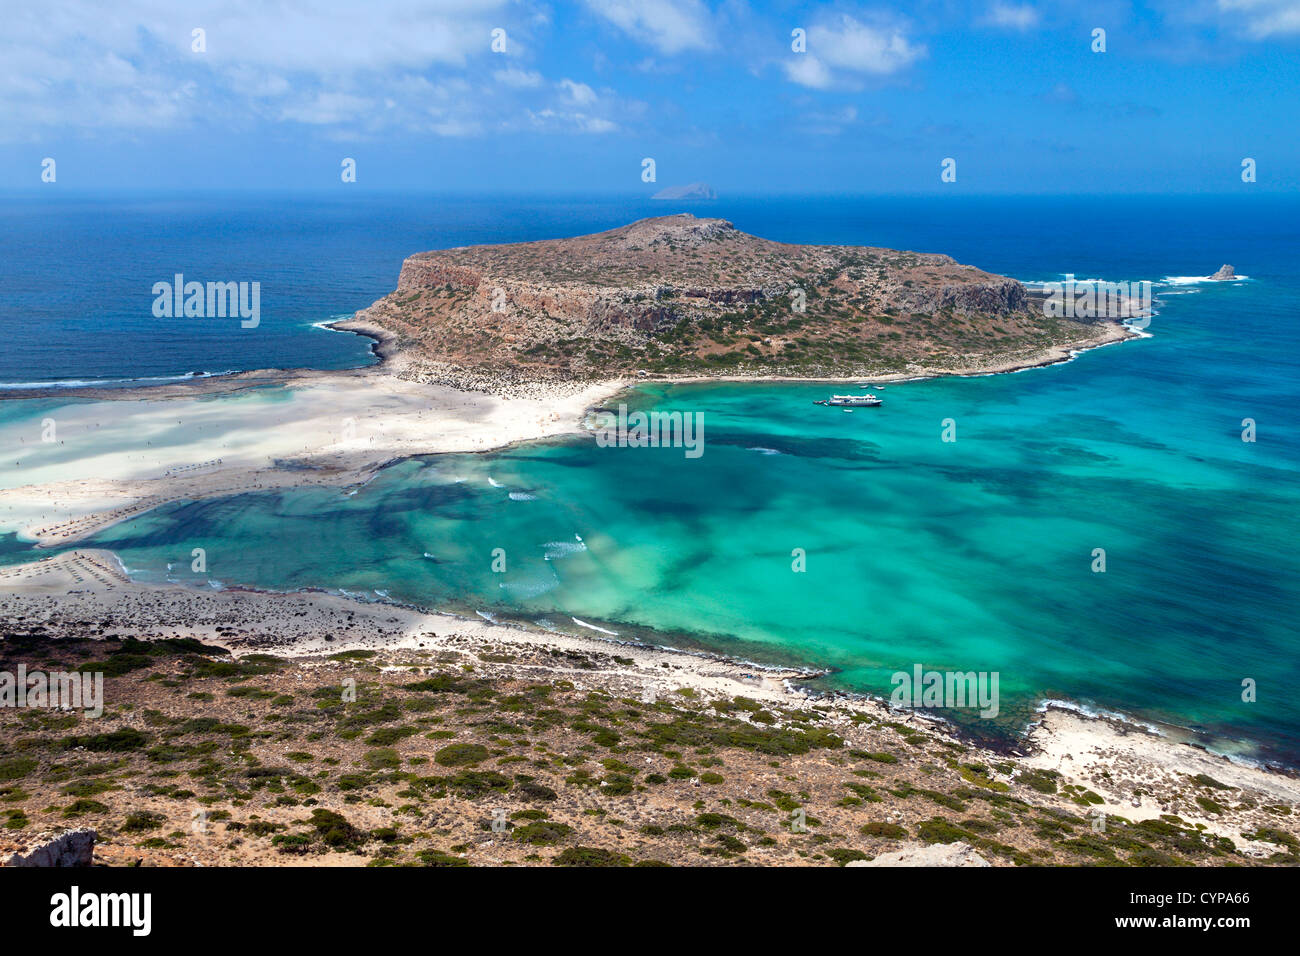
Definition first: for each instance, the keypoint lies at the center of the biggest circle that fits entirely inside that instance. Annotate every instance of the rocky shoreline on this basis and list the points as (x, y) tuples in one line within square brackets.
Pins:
[(877, 784)]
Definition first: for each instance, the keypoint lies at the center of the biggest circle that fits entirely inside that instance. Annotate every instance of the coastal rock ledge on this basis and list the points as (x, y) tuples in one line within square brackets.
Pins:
[(922, 854), (73, 848)]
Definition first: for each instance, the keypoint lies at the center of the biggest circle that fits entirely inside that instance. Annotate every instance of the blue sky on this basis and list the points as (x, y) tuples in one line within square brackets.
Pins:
[(712, 91)]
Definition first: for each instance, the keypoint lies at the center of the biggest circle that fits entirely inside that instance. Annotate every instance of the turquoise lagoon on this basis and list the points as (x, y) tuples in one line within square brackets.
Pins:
[(973, 555), (976, 554)]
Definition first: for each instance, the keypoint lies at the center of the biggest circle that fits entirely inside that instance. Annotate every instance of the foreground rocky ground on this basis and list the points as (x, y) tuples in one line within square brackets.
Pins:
[(475, 752)]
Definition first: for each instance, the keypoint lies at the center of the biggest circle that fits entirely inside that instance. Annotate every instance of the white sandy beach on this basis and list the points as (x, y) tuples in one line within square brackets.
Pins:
[(116, 458), (106, 456)]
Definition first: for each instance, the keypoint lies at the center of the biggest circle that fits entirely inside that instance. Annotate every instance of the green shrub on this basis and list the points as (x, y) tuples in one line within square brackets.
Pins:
[(385, 736), (590, 856), (1044, 781), (843, 855), (439, 858), (939, 830), (385, 758), (334, 830), (531, 790), (122, 739), (142, 821), (879, 828), (15, 768), (461, 755), (542, 833), (84, 805), (881, 756)]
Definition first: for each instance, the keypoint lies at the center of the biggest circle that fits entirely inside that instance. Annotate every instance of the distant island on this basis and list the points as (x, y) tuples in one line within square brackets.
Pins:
[(687, 296), (693, 191)]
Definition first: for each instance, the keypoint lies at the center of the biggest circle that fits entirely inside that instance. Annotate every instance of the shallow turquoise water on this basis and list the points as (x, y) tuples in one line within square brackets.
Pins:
[(974, 555), (970, 555)]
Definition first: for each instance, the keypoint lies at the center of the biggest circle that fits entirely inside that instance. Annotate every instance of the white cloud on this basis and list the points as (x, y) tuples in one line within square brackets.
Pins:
[(257, 83), (1011, 16), (1265, 18), (670, 26), (579, 93), (68, 65), (328, 109), (519, 79), (575, 122), (596, 124), (807, 70), (581, 109), (842, 48), (456, 127), (828, 122)]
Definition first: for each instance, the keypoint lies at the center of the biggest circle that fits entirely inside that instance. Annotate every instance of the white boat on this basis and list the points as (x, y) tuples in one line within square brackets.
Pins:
[(850, 401)]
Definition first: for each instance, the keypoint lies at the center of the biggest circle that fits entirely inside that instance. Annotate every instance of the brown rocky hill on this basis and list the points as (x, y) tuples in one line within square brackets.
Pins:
[(682, 295)]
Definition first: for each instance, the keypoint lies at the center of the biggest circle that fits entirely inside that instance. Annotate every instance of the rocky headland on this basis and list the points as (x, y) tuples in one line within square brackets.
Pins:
[(686, 296)]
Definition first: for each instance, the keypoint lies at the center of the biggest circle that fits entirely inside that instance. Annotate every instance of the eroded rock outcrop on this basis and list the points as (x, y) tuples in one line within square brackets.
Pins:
[(72, 848), (921, 854)]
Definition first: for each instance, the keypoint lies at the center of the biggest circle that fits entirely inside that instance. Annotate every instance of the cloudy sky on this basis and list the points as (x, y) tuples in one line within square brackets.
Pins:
[(502, 96)]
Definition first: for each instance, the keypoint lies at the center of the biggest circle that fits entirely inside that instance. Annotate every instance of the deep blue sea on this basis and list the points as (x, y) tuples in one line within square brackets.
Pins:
[(76, 274), (967, 556)]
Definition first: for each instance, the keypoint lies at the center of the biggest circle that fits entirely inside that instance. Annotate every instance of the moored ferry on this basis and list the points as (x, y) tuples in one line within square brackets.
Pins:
[(850, 401)]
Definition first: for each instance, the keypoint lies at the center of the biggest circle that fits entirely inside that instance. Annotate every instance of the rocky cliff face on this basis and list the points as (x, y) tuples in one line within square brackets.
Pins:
[(682, 294), (996, 297), (72, 848)]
